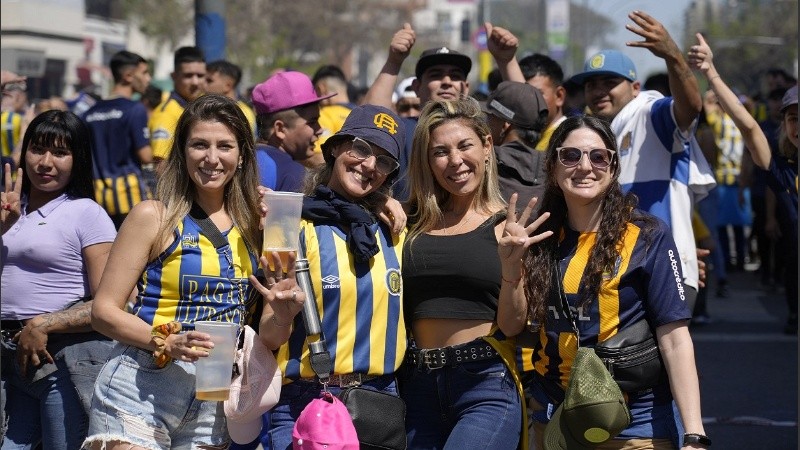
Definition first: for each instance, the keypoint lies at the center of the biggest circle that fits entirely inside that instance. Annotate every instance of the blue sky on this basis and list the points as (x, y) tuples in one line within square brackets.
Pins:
[(668, 12)]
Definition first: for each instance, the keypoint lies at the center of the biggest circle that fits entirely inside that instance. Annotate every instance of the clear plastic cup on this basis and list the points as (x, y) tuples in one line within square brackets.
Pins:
[(213, 377), (282, 225)]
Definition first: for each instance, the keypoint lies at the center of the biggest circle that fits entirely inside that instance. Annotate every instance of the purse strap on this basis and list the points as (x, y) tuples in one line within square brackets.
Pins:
[(558, 298), (210, 231)]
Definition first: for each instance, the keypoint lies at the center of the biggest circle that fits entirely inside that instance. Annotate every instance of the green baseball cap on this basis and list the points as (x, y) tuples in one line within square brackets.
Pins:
[(593, 410)]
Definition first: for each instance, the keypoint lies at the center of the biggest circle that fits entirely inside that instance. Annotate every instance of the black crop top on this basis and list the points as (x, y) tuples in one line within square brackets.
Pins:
[(452, 277)]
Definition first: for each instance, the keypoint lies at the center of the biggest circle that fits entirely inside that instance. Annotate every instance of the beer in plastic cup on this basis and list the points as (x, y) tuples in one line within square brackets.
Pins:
[(282, 227), (213, 374)]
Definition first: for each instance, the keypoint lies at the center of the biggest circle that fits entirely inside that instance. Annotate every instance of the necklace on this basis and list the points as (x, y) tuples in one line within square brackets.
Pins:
[(456, 229)]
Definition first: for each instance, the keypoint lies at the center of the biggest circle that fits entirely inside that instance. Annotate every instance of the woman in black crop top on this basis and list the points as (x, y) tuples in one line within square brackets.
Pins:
[(460, 384)]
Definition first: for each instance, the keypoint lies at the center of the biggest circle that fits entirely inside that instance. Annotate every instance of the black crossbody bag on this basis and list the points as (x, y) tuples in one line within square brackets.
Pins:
[(631, 356), (379, 417)]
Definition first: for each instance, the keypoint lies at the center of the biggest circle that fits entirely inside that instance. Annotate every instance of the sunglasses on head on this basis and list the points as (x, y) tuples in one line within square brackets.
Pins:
[(599, 158), (362, 150)]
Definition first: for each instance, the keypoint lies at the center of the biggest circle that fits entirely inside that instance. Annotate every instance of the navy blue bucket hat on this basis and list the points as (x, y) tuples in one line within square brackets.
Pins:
[(375, 124)]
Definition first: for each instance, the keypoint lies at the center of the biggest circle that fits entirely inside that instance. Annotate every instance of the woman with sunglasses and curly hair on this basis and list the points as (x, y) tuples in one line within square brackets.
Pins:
[(619, 265)]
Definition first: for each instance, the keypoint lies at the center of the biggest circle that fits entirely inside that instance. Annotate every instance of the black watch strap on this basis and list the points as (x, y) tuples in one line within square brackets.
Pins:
[(695, 438)]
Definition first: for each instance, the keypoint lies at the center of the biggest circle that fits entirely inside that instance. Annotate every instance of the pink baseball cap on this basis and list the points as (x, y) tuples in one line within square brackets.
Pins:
[(324, 424), (285, 90)]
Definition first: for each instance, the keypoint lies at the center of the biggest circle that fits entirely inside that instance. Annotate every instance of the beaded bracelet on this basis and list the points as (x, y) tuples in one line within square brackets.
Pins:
[(160, 334)]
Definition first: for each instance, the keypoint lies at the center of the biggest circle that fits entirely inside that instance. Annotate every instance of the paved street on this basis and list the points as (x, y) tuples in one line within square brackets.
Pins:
[(748, 368)]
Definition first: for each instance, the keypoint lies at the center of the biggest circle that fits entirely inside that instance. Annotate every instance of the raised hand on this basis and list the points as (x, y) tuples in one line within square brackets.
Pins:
[(501, 43), (10, 208), (656, 37), (700, 56), (516, 236), (401, 44), (281, 292)]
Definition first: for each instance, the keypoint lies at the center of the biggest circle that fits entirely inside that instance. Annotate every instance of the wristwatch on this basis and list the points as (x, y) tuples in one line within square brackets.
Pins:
[(696, 438)]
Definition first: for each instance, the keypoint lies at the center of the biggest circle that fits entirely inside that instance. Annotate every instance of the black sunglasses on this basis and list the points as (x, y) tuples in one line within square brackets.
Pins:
[(599, 158)]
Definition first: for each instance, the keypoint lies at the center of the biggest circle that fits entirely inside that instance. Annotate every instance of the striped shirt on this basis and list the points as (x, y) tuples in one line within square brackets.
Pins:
[(359, 304), (664, 168), (645, 283), (192, 281), (11, 123), (119, 131)]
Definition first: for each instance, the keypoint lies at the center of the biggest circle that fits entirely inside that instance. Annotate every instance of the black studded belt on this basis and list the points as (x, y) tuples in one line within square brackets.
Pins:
[(436, 358)]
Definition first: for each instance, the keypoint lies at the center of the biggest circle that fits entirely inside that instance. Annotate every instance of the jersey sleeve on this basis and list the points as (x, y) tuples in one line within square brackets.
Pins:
[(140, 133), (666, 296)]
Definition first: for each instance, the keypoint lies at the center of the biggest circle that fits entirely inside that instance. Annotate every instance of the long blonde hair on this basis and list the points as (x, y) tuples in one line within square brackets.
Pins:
[(177, 191), (427, 196)]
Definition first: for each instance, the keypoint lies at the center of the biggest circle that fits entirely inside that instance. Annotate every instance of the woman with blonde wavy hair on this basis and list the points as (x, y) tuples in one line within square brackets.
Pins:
[(460, 382), (166, 255)]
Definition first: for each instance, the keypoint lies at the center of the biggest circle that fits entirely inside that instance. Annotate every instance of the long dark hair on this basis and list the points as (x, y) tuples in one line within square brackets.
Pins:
[(62, 129), (617, 211)]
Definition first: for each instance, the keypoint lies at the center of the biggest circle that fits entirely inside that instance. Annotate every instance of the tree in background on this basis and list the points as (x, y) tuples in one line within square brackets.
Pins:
[(264, 35), (749, 37)]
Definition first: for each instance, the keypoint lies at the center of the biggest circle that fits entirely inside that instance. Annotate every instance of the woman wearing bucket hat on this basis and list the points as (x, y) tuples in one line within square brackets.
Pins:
[(354, 263), (782, 167), (619, 266)]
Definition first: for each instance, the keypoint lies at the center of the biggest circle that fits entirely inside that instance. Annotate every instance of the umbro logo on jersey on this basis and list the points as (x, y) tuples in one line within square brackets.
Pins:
[(330, 282)]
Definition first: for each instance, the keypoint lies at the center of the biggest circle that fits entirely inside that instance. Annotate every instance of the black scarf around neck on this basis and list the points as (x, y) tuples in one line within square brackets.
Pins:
[(325, 204)]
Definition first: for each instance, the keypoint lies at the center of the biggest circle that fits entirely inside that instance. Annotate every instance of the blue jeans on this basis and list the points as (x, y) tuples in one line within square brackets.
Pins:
[(472, 405), (297, 395), (47, 410), (153, 407)]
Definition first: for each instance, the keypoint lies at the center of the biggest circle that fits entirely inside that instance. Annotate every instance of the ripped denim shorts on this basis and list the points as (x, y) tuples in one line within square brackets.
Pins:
[(137, 402)]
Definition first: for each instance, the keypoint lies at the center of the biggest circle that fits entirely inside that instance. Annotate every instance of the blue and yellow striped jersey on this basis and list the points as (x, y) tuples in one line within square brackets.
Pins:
[(192, 281), (359, 304), (646, 282), (119, 131), (11, 123)]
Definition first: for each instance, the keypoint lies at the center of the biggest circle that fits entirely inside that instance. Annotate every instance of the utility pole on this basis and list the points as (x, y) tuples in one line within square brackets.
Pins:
[(209, 28)]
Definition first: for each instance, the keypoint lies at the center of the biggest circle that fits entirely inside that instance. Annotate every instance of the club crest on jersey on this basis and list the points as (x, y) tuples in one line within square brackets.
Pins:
[(190, 240), (394, 281)]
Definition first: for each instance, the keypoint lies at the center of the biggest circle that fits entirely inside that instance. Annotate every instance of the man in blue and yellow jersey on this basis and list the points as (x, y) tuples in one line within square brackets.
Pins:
[(189, 78), (223, 77), (329, 79), (121, 144)]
